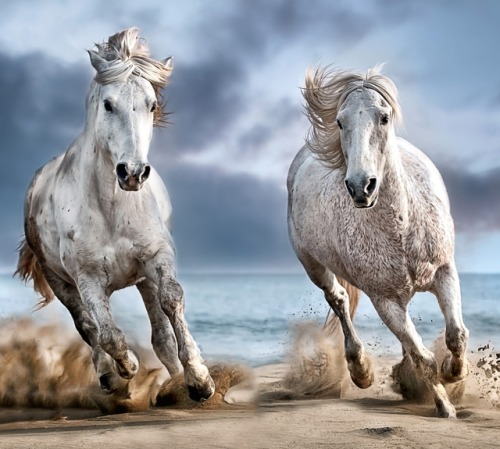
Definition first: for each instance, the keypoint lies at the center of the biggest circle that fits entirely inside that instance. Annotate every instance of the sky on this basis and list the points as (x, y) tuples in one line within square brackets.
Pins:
[(237, 113)]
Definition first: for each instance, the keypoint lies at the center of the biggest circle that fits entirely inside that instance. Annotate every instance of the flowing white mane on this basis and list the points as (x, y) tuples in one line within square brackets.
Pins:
[(127, 54), (325, 91)]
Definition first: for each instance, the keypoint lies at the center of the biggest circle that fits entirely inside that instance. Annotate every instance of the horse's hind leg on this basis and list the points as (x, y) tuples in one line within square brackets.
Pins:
[(396, 318), (446, 287), (162, 336), (358, 363)]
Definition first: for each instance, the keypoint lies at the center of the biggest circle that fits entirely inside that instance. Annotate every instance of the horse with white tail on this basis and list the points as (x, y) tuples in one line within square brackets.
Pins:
[(97, 219), (369, 211)]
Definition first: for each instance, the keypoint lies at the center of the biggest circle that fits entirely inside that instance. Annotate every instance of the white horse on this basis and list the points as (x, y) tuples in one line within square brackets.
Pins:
[(97, 219), (367, 208)]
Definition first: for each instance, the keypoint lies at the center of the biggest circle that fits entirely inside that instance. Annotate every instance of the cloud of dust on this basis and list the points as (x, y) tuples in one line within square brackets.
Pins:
[(480, 388), (483, 383), (318, 369), (317, 363), (50, 367)]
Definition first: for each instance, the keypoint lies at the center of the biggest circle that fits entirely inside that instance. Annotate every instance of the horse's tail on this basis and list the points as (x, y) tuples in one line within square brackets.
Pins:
[(332, 321), (28, 268)]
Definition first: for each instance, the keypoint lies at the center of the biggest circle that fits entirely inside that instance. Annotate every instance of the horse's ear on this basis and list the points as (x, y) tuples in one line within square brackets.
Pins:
[(169, 64), (98, 62)]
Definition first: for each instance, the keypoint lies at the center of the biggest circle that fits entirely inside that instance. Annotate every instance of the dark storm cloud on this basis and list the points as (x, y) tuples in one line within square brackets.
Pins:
[(42, 111), (207, 96), (272, 123), (228, 221), (204, 99), (260, 28), (474, 198)]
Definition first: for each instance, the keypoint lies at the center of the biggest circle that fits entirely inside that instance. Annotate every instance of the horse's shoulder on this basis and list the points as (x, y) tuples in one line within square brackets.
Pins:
[(421, 172), (158, 189), (66, 162)]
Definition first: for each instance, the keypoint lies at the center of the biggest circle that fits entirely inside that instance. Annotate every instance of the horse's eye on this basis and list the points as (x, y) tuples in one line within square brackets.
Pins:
[(384, 119), (339, 124), (107, 106), (153, 106)]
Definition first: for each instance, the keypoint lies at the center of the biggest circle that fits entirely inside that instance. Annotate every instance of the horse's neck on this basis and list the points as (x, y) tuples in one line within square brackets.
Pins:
[(99, 187), (394, 192)]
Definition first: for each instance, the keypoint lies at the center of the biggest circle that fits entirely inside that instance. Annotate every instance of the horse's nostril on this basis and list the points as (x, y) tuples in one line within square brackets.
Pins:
[(146, 172), (121, 170), (349, 188), (370, 187)]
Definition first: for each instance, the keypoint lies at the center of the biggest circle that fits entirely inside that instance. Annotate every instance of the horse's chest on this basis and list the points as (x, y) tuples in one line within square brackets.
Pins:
[(112, 258), (378, 264)]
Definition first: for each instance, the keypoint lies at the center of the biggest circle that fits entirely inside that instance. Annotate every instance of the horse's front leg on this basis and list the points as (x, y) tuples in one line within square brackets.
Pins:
[(87, 328), (109, 336), (337, 297), (395, 316), (358, 363), (446, 287), (171, 298)]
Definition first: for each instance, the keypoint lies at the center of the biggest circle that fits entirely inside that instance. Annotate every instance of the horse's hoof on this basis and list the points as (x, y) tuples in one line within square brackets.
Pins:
[(365, 381), (446, 411), (453, 370), (203, 393), (362, 373)]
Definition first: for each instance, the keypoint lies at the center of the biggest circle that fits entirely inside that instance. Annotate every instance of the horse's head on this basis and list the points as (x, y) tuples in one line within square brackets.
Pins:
[(352, 118), (364, 121), (126, 104)]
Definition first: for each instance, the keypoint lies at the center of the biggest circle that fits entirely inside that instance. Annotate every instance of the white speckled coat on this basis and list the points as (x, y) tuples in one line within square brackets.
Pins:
[(371, 209)]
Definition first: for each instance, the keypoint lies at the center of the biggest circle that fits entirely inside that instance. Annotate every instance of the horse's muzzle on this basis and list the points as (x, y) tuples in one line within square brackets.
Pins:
[(132, 178), (363, 191)]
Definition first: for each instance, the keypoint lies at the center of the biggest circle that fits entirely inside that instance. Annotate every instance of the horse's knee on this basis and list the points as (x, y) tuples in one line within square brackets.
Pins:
[(172, 297)]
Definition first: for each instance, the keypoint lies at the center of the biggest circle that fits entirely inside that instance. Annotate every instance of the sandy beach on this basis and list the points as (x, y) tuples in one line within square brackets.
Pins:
[(376, 417)]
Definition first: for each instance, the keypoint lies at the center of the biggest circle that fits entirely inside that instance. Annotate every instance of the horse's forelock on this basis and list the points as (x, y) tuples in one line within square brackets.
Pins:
[(325, 91), (128, 54)]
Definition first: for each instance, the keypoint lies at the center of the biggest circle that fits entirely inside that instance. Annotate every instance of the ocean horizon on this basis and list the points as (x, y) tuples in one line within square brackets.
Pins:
[(251, 317)]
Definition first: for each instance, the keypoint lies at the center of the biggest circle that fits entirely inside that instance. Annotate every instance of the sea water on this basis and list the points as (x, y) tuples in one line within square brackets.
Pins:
[(250, 318)]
